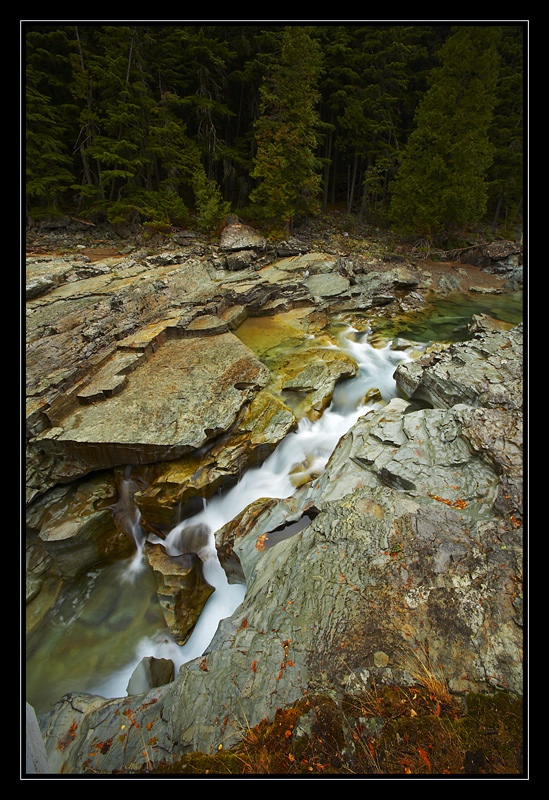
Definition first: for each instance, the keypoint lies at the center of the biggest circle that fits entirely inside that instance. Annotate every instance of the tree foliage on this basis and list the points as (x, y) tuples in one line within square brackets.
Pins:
[(286, 164), (174, 124), (442, 176)]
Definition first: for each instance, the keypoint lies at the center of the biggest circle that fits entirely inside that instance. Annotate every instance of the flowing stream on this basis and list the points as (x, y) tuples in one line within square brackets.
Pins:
[(113, 612), (311, 441)]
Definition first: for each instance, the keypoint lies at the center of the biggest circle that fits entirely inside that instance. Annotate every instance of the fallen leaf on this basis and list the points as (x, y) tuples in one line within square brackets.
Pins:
[(423, 756)]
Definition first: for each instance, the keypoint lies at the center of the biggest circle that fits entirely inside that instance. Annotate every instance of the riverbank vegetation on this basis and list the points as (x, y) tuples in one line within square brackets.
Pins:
[(388, 731), (415, 128)]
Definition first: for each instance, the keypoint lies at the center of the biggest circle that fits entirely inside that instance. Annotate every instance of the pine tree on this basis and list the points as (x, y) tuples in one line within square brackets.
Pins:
[(48, 164), (49, 128), (441, 182), (506, 132), (286, 164), (123, 103), (370, 126)]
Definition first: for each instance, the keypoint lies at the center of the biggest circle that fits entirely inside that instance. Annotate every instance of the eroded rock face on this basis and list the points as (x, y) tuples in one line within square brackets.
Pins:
[(411, 561), (182, 589), (181, 485), (74, 528), (187, 392), (487, 371)]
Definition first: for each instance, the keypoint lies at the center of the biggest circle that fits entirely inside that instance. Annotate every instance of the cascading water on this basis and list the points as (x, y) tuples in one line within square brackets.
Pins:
[(311, 442), (130, 517), (76, 651)]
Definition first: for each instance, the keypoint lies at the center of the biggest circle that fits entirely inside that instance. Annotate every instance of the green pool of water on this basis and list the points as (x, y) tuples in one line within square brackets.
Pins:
[(447, 318)]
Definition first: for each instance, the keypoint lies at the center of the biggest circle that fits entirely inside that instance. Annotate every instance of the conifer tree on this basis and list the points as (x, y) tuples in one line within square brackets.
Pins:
[(48, 164), (286, 165), (123, 101), (441, 182), (506, 173), (49, 114), (147, 121)]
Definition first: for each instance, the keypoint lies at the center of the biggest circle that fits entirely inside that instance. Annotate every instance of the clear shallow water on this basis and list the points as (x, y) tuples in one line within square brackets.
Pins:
[(448, 317), (107, 620)]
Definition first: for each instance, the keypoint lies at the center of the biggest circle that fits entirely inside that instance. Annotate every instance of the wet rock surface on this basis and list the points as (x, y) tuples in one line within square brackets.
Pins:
[(412, 535), (185, 393), (407, 556), (182, 589)]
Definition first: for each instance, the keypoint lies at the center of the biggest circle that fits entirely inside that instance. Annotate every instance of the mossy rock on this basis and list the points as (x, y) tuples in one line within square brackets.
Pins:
[(484, 738)]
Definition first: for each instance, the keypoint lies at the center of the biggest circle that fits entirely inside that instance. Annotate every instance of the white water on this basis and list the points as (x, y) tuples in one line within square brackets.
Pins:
[(311, 441)]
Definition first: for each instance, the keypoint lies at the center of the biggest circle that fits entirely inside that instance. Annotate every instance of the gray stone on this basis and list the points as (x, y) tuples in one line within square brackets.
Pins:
[(327, 285), (237, 236), (186, 392), (150, 673), (36, 760), (486, 371)]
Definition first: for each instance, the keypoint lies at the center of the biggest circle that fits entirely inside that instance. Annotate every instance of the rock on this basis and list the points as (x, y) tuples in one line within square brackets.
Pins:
[(407, 550), (181, 485), (237, 236), (75, 526), (482, 323), (504, 253), (313, 375), (150, 673), (91, 336), (242, 259), (36, 760), (182, 589), (328, 285), (486, 371), (405, 566), (185, 393), (206, 325), (192, 539)]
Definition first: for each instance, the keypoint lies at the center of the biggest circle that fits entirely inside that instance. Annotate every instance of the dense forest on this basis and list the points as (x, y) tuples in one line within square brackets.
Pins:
[(419, 127)]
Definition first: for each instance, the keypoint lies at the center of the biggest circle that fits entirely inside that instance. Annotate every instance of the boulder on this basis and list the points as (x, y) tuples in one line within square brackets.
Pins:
[(238, 236), (149, 673), (181, 588), (311, 376)]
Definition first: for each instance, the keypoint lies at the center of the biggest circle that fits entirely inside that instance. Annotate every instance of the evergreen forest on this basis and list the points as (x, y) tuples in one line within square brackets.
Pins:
[(417, 127)]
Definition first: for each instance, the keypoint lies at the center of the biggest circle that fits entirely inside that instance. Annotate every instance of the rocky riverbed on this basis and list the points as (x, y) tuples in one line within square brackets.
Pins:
[(192, 362)]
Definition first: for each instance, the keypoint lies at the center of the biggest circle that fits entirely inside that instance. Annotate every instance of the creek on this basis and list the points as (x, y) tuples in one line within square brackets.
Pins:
[(107, 620)]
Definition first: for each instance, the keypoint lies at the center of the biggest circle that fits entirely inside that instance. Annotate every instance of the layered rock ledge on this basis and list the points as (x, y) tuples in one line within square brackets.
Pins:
[(411, 560), (406, 553)]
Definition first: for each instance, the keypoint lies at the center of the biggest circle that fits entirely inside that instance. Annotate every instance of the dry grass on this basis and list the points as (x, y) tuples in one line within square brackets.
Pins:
[(422, 672)]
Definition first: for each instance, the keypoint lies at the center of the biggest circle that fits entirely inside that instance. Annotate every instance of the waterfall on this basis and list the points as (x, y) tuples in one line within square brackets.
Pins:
[(129, 517), (80, 647), (311, 442)]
